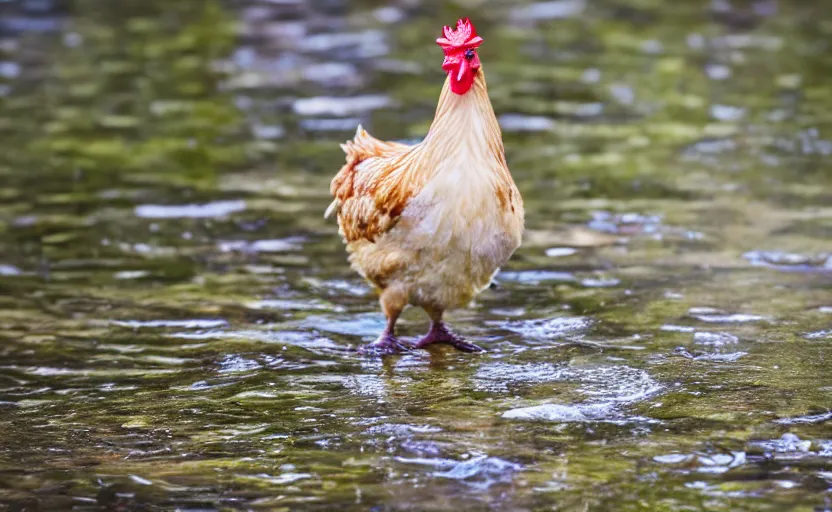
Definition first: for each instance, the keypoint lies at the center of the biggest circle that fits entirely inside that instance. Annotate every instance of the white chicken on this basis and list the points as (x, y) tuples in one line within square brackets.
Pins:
[(431, 224)]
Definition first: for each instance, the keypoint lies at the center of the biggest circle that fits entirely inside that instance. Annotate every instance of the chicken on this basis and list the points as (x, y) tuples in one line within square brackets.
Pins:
[(430, 224)]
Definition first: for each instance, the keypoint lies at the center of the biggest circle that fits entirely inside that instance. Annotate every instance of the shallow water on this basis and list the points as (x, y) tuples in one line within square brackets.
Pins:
[(177, 317)]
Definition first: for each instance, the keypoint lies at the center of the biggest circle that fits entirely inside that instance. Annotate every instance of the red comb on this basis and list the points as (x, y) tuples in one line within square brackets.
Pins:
[(464, 37)]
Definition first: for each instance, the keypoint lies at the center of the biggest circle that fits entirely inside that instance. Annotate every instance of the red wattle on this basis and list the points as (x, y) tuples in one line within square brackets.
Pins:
[(462, 85)]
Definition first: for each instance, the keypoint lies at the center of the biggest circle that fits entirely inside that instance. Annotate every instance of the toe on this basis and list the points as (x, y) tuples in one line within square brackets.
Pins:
[(464, 346), (383, 347), (423, 343), (401, 346), (449, 339)]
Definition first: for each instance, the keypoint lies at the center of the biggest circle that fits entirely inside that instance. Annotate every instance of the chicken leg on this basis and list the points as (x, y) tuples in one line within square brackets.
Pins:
[(439, 333), (393, 301)]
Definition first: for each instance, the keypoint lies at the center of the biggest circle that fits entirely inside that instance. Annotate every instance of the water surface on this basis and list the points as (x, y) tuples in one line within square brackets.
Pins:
[(177, 318)]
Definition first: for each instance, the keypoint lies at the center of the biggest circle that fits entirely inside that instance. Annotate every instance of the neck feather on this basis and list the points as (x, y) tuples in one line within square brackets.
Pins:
[(466, 120)]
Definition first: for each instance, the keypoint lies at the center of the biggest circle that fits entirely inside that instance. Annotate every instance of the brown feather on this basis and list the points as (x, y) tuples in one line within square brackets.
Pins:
[(374, 185)]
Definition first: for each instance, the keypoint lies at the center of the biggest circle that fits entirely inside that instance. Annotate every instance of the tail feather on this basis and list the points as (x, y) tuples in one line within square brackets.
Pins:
[(364, 146), (333, 208), (360, 148)]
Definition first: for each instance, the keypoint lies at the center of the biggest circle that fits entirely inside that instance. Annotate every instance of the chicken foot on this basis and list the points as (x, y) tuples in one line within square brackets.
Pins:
[(393, 301), (439, 333), (384, 345)]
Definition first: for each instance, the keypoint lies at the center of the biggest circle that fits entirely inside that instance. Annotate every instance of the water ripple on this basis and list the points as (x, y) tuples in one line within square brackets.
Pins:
[(181, 324), (575, 413), (617, 383), (480, 472), (193, 211), (549, 328)]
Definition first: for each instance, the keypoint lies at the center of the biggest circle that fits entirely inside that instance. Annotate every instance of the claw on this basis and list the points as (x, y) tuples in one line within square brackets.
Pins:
[(439, 333), (465, 346), (385, 345)]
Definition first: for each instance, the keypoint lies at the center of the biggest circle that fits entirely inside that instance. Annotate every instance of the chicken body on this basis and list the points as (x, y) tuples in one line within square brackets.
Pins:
[(430, 224)]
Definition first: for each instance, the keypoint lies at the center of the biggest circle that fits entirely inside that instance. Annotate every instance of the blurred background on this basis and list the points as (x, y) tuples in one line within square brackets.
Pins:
[(176, 316)]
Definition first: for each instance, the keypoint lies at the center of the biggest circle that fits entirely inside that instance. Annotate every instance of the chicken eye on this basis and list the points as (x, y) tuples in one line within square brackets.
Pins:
[(469, 54)]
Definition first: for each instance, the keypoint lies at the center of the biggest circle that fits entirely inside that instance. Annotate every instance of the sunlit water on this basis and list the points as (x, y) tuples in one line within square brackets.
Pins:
[(177, 319)]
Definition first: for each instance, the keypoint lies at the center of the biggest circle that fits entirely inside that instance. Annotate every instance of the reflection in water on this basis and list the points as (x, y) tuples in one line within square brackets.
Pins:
[(177, 321)]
